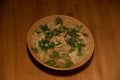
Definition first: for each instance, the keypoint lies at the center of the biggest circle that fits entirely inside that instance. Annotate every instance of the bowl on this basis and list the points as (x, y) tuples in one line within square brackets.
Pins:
[(60, 42)]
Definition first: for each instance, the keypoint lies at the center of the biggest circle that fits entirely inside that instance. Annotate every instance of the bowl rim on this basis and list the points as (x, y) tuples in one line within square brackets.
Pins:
[(85, 58)]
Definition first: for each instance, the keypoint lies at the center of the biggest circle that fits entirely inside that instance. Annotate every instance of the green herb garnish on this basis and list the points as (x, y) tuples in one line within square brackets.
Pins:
[(49, 34), (57, 31), (80, 53), (59, 20), (57, 66), (34, 49), (71, 42), (72, 49), (43, 44), (44, 27), (64, 27), (50, 62), (68, 63), (51, 45), (54, 54), (73, 33), (80, 46)]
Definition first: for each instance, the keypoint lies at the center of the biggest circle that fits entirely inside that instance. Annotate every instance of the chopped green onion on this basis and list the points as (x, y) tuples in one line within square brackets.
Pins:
[(54, 54), (34, 49), (44, 27), (51, 45), (71, 42), (80, 53), (57, 31), (59, 20), (73, 33), (57, 66), (64, 27), (72, 49), (50, 62), (43, 44), (68, 64), (80, 46), (49, 34)]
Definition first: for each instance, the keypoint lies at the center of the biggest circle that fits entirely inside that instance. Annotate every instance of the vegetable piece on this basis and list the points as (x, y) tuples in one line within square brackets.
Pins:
[(43, 44), (34, 49), (44, 27), (73, 33), (57, 66), (59, 20), (68, 63), (64, 27), (49, 34), (71, 42), (80, 53), (54, 54), (50, 63), (51, 45), (80, 46), (72, 49), (57, 31)]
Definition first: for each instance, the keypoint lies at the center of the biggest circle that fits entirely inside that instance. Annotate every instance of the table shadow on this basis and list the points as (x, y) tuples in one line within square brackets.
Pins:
[(58, 72)]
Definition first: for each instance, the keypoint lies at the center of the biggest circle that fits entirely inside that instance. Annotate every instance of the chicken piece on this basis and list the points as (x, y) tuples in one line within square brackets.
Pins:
[(63, 48)]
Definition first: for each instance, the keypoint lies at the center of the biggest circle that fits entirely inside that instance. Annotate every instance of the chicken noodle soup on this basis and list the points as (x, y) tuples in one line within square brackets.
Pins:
[(59, 43)]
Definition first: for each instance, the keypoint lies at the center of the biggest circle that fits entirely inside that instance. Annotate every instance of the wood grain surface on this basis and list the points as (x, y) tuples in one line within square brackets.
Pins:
[(101, 16)]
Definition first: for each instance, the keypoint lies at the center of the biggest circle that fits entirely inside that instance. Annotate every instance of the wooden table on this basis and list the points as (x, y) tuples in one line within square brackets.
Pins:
[(101, 16)]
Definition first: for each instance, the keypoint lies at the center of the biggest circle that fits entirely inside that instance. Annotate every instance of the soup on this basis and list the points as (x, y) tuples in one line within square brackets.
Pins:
[(59, 43)]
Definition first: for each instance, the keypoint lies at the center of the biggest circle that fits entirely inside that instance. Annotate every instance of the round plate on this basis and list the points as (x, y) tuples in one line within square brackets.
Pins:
[(84, 58)]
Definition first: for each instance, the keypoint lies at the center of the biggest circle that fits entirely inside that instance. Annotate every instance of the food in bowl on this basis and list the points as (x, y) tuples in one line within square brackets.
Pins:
[(60, 43)]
